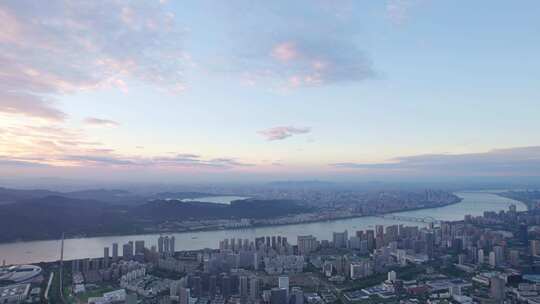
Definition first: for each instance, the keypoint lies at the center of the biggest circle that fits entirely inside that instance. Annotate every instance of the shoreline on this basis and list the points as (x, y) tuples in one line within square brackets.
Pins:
[(232, 228), (528, 204)]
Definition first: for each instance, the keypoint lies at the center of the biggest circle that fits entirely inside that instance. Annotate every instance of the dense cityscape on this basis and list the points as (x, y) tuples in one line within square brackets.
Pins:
[(481, 259), (269, 152)]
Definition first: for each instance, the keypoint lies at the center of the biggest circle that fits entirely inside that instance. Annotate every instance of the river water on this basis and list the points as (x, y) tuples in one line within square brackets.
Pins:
[(225, 200), (474, 203)]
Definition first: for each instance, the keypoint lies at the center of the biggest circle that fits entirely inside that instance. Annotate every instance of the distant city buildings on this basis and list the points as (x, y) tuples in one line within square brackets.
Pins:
[(478, 259)]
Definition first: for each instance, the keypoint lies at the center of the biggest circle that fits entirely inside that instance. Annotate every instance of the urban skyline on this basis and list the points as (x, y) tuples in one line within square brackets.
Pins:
[(269, 152)]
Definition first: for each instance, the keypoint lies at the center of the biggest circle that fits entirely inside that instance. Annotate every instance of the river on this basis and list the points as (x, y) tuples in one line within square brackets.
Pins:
[(474, 203)]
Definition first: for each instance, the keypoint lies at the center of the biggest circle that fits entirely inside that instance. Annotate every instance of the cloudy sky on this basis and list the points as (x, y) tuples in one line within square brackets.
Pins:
[(183, 90)]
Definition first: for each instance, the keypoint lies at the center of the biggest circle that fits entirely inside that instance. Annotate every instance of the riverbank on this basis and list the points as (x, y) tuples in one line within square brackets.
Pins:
[(521, 196), (211, 228), (92, 247)]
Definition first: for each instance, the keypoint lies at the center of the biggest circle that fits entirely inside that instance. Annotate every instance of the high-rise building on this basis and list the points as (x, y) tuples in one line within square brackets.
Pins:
[(461, 259), (106, 257), (379, 242), (172, 245), (212, 283), (370, 237), (360, 269), (355, 242), (196, 285), (340, 239), (401, 256), (497, 289), (243, 286), (75, 266), (430, 243), (392, 232), (392, 276), (166, 245), (85, 265), (499, 255), (226, 286), (480, 256), (278, 296), (283, 283), (492, 259), (455, 290), (364, 246), (254, 288), (306, 244), (184, 296), (297, 296), (535, 247), (175, 287), (94, 264), (523, 234), (115, 251), (379, 231), (160, 244), (127, 250), (139, 247), (514, 257)]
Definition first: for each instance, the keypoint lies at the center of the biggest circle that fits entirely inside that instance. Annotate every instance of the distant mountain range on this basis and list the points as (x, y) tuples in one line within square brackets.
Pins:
[(302, 184), (43, 214), (121, 197)]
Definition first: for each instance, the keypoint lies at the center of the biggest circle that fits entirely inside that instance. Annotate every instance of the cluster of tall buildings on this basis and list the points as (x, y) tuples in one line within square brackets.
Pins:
[(265, 242), (238, 286), (260, 270), (366, 241), (166, 245), (113, 263)]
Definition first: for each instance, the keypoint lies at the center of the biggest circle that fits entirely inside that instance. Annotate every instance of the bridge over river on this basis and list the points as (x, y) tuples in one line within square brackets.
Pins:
[(412, 219)]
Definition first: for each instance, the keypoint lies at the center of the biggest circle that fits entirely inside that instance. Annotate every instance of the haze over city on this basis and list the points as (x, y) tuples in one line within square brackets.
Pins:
[(269, 152), (243, 91)]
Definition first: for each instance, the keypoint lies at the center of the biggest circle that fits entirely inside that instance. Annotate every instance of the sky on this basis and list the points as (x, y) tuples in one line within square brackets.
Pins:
[(265, 90)]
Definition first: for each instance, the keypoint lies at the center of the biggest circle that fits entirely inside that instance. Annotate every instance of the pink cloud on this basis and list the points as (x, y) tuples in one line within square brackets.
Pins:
[(282, 132), (30, 105), (93, 121), (285, 51), (62, 47)]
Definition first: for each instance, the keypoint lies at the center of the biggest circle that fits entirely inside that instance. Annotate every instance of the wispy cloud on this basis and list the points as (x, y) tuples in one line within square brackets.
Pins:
[(19, 163), (33, 138), (398, 11), (512, 161), (285, 51), (196, 161), (282, 132), (98, 160), (93, 121), (28, 104), (299, 44), (228, 162), (59, 47), (108, 158)]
